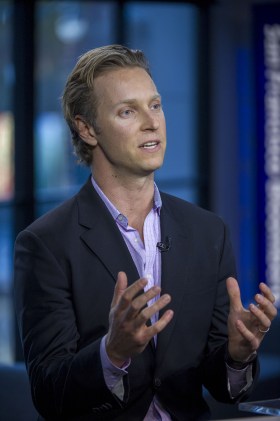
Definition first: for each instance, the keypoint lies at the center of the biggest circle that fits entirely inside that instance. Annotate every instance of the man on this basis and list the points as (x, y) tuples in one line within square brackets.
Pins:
[(121, 292)]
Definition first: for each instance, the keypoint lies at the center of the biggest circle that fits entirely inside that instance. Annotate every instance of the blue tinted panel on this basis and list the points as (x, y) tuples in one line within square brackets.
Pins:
[(65, 31), (167, 33), (6, 117), (7, 326), (181, 152), (6, 249), (182, 191)]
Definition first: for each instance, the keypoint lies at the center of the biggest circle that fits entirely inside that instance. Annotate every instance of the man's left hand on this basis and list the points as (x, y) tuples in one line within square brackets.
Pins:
[(247, 328)]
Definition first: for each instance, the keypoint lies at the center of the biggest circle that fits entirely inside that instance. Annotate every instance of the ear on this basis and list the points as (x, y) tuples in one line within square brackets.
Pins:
[(86, 132)]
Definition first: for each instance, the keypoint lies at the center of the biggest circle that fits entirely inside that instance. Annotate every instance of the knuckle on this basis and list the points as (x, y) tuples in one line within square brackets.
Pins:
[(142, 342), (274, 312), (142, 316), (134, 305), (124, 327), (143, 339), (125, 300)]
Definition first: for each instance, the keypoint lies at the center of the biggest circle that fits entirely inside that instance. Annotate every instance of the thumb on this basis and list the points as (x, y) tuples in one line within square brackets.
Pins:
[(234, 294), (120, 287)]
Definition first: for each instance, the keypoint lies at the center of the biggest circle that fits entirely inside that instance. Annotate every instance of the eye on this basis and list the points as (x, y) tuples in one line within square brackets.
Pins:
[(157, 106), (127, 112)]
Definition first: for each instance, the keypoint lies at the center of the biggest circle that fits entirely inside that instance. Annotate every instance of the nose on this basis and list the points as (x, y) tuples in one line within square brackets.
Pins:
[(150, 121)]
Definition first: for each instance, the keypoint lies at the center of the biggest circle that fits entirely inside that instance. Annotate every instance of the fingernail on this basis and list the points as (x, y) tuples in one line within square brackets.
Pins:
[(143, 282), (260, 297)]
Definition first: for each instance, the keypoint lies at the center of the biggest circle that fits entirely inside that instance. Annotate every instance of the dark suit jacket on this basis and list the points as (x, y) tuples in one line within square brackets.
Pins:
[(66, 264)]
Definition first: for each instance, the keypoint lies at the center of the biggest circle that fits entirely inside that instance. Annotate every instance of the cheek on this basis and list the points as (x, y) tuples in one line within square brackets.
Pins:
[(117, 141), (121, 127), (163, 124), (124, 135)]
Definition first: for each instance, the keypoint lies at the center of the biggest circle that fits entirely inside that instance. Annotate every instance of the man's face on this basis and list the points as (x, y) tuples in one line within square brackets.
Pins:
[(131, 139)]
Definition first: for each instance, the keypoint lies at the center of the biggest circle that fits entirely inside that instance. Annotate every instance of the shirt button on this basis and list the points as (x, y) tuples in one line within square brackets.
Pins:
[(157, 383), (120, 217)]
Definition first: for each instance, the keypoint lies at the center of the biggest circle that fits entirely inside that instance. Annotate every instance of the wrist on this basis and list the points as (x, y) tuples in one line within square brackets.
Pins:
[(238, 364), (116, 360)]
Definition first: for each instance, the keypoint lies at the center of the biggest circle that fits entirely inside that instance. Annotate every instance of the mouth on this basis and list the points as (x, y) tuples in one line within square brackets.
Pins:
[(150, 145)]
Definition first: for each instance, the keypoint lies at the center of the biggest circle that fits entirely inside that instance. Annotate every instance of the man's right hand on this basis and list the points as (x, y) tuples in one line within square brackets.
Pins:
[(128, 333)]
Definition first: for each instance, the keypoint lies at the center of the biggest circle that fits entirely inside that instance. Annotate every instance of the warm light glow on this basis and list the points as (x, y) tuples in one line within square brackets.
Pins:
[(6, 156)]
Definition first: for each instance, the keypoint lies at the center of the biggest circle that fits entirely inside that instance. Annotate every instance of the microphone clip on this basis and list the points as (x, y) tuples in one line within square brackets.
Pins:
[(164, 246)]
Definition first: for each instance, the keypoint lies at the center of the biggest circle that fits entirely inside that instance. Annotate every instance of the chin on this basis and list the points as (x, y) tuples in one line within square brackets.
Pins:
[(152, 169), (157, 165)]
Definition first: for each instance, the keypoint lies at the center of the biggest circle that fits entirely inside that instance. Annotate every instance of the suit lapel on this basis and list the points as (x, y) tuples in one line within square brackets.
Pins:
[(174, 269), (102, 235)]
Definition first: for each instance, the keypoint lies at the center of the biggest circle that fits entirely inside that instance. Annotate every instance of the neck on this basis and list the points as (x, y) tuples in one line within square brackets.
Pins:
[(132, 197)]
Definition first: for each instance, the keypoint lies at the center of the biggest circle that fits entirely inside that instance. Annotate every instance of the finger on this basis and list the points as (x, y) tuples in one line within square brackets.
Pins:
[(234, 294), (249, 336), (267, 292), (148, 312), (129, 294), (263, 322), (148, 332), (120, 287), (266, 306), (157, 327), (138, 303)]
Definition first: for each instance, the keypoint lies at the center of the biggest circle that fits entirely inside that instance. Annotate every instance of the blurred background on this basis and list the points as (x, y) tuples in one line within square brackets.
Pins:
[(216, 64)]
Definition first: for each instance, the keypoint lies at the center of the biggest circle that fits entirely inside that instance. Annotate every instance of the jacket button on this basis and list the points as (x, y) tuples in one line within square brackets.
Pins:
[(157, 383)]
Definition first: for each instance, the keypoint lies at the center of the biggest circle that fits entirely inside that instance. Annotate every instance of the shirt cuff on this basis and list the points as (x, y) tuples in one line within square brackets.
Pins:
[(239, 380), (113, 375)]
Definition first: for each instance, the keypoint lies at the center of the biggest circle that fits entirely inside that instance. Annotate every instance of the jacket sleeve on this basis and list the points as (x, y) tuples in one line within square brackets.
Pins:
[(64, 378), (215, 377)]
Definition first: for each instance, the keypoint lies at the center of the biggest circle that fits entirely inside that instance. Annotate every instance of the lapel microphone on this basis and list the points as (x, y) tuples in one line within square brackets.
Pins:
[(164, 245)]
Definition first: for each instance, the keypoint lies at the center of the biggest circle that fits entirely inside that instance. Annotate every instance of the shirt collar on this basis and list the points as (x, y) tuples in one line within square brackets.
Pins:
[(116, 214), (157, 200)]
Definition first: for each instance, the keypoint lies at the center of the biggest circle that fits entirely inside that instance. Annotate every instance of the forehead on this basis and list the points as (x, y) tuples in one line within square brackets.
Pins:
[(124, 83)]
